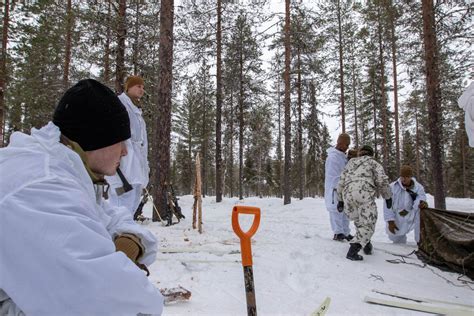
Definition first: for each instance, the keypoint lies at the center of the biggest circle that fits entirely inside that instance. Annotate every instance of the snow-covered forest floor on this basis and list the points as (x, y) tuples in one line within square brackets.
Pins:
[(296, 263)]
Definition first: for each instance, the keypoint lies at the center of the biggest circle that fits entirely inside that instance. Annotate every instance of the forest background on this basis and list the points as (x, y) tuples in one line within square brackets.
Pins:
[(258, 88)]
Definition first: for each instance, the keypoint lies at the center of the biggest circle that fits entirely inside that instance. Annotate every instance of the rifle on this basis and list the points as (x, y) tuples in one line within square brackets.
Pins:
[(139, 210)]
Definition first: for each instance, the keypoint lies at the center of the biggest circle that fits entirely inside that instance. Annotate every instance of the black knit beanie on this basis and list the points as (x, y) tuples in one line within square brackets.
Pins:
[(90, 114), (366, 150)]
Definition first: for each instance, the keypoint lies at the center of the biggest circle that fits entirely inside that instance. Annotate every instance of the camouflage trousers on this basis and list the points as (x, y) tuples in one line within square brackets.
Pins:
[(360, 207)]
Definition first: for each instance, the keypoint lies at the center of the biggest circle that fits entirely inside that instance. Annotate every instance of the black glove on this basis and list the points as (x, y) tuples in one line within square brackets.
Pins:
[(389, 202), (340, 206)]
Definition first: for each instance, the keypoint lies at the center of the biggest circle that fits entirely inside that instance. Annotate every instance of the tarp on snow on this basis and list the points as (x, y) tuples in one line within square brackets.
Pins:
[(447, 240)]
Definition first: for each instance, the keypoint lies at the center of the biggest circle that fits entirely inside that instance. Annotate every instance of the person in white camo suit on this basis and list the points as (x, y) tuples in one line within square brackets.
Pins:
[(360, 181)]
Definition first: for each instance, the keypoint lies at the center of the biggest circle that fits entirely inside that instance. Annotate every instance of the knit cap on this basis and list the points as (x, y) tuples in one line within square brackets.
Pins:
[(90, 114), (406, 171), (133, 81)]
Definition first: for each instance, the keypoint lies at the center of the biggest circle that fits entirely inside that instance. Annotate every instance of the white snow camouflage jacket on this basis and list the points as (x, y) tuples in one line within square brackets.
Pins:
[(466, 102), (403, 201), (335, 163), (57, 255), (134, 165), (364, 170)]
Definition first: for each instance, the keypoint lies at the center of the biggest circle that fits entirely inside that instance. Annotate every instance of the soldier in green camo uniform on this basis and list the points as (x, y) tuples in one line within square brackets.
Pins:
[(357, 189)]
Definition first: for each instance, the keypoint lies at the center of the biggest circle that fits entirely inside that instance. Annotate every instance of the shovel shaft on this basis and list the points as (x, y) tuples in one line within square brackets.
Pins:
[(250, 291)]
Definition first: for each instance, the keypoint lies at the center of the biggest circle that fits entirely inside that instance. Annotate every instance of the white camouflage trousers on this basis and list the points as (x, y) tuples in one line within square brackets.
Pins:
[(360, 207)]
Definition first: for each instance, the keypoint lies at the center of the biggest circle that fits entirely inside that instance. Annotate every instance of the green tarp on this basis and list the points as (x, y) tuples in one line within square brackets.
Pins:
[(447, 240)]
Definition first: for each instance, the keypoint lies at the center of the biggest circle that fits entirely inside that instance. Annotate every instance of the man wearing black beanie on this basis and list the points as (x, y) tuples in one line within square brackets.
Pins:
[(78, 256)]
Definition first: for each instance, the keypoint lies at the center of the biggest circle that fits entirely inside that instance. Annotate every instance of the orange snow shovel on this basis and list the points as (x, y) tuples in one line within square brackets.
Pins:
[(246, 251)]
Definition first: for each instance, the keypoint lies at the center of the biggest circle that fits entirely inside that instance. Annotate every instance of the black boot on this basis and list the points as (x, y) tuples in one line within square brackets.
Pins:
[(368, 249), (349, 237), (352, 254), (339, 237)]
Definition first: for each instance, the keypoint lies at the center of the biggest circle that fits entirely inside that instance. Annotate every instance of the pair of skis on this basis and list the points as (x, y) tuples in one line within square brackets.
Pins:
[(409, 302), (420, 304)]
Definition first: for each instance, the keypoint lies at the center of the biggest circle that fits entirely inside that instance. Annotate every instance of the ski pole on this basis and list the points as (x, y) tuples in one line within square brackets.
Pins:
[(246, 251)]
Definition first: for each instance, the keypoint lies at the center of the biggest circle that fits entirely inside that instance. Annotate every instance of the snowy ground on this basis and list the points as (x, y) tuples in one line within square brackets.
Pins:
[(296, 263)]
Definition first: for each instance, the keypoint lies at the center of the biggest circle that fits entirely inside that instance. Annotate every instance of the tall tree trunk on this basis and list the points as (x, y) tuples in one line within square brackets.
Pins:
[(219, 104), (204, 133), (395, 83), (300, 128), (354, 104), (383, 105), (375, 116), (67, 57), (3, 70), (434, 101), (120, 57), (162, 139), (279, 149), (231, 154), (136, 39), (190, 156), (108, 35), (465, 188), (341, 67), (241, 122), (417, 147), (259, 172), (286, 177)]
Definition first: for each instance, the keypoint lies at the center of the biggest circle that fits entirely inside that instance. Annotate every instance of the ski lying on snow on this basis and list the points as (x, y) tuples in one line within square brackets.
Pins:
[(423, 300), (322, 308), (422, 305), (197, 250)]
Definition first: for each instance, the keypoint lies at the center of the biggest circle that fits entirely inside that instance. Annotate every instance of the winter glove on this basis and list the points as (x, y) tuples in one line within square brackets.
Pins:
[(389, 202), (423, 205), (403, 213), (340, 206), (392, 227), (130, 245)]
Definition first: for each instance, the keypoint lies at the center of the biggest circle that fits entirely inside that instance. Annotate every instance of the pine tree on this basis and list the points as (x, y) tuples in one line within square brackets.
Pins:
[(287, 102), (162, 137), (186, 125), (3, 68), (219, 102), (243, 61), (434, 100), (38, 66)]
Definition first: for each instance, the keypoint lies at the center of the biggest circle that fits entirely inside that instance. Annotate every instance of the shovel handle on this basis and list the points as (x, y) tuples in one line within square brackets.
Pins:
[(245, 244)]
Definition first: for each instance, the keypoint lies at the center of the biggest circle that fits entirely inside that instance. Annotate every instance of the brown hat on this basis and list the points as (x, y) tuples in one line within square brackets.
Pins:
[(406, 171), (133, 81)]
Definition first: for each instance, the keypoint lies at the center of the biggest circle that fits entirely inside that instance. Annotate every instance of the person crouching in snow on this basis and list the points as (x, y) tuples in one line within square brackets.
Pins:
[(408, 199), (357, 188), (62, 252)]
